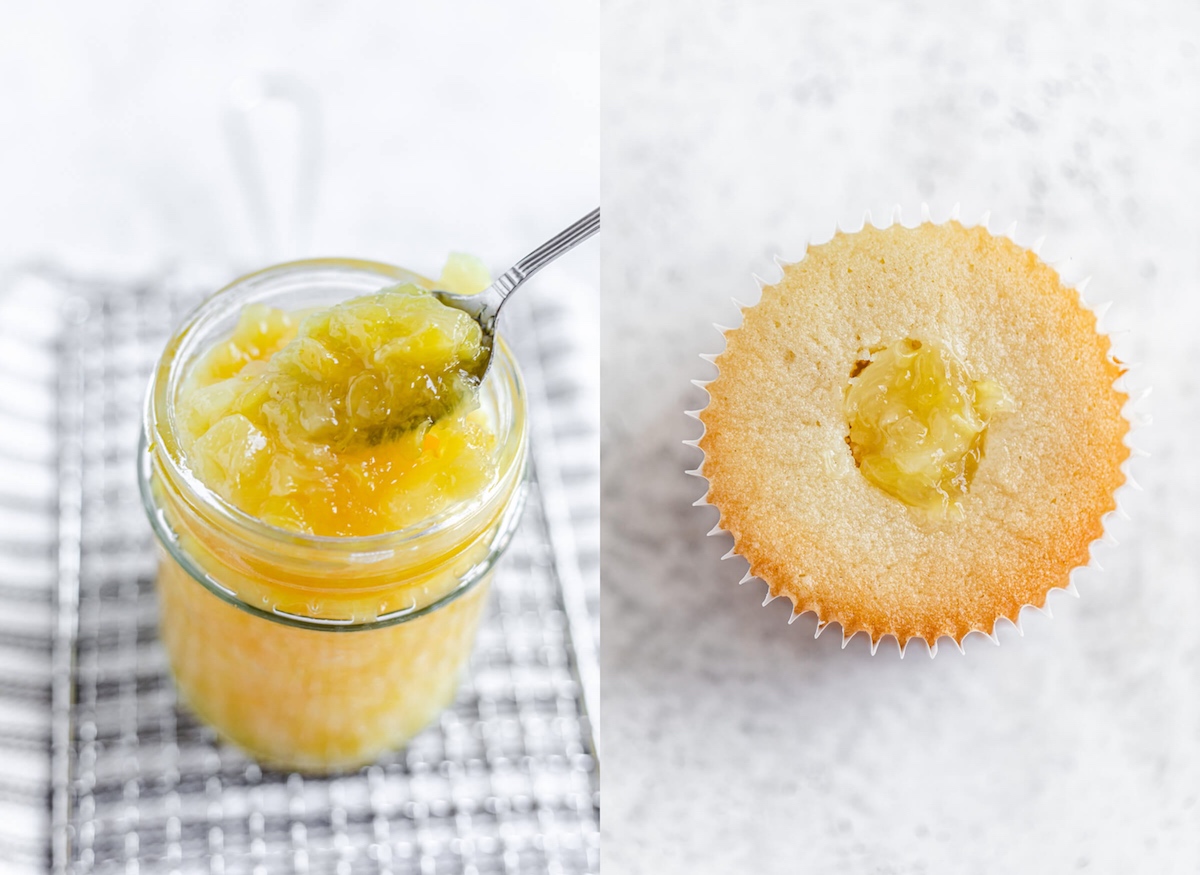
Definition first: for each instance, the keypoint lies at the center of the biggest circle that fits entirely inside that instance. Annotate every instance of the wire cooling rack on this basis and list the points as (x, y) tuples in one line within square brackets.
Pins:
[(506, 782)]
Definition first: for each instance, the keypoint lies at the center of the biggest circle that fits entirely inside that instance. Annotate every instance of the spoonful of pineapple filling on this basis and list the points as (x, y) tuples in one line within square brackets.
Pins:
[(372, 369), (360, 418)]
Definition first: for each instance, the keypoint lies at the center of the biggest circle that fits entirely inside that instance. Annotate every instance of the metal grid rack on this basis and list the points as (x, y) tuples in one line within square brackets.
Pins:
[(506, 782)]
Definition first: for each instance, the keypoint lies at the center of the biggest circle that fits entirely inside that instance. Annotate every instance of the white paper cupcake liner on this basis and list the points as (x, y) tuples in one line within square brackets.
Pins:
[(1134, 411)]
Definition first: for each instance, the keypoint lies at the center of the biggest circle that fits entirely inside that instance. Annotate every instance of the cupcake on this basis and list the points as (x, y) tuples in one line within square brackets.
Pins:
[(915, 433)]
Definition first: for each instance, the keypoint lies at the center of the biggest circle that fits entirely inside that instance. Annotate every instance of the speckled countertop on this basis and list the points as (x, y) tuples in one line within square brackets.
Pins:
[(735, 743)]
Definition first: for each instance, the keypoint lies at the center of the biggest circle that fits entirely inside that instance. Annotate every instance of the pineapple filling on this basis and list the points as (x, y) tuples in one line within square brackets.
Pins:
[(917, 423), (354, 420)]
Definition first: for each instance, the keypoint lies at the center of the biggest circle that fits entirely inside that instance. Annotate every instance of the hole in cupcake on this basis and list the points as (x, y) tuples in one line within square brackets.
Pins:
[(789, 356), (917, 423)]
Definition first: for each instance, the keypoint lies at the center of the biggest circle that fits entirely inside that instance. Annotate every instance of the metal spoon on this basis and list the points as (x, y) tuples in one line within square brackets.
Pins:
[(485, 307)]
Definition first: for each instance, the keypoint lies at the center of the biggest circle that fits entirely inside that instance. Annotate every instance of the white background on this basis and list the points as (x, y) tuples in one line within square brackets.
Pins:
[(462, 125), (735, 743)]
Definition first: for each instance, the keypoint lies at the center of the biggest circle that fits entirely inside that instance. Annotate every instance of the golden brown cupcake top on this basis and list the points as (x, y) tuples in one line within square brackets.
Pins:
[(990, 493)]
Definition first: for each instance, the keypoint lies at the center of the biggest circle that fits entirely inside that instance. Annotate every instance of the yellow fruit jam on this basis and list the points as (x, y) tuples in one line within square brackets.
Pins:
[(349, 421), (917, 423), (353, 421)]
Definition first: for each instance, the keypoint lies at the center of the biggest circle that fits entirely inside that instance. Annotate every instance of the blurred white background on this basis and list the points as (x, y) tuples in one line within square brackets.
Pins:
[(463, 125), (736, 743)]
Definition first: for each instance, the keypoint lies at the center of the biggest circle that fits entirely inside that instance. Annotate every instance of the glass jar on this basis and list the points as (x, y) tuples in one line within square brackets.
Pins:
[(318, 653)]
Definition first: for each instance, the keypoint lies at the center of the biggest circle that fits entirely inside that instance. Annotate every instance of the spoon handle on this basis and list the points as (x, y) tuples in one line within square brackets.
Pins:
[(547, 252)]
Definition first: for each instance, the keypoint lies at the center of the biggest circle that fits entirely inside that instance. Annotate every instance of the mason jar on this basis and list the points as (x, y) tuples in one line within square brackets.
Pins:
[(309, 652)]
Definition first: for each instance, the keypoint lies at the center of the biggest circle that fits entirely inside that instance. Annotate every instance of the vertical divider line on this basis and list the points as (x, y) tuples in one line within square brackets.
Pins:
[(66, 594)]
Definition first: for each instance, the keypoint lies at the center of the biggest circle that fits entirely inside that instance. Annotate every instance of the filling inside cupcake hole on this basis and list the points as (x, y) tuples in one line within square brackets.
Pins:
[(917, 423)]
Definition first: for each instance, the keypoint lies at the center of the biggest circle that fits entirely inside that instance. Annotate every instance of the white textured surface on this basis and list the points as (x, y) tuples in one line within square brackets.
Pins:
[(735, 743)]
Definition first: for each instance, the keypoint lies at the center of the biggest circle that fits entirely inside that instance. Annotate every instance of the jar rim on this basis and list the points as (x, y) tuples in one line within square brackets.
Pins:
[(158, 430)]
